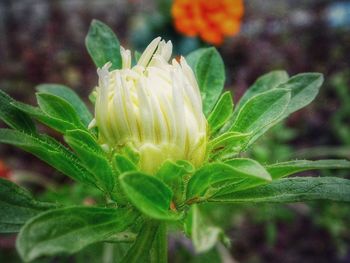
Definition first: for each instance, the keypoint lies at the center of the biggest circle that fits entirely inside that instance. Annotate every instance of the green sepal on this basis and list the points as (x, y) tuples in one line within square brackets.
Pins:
[(175, 175), (123, 164), (149, 194)]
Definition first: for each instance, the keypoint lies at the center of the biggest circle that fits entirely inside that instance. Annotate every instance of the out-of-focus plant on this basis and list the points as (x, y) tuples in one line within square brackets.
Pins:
[(274, 146), (341, 120), (164, 140), (4, 170), (189, 24), (212, 21), (146, 27), (334, 218)]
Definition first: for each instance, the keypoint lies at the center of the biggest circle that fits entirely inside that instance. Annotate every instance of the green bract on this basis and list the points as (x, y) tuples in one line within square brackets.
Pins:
[(138, 205)]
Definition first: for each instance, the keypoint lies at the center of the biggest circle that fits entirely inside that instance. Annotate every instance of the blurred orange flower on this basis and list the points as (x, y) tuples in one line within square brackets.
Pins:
[(212, 20), (4, 170)]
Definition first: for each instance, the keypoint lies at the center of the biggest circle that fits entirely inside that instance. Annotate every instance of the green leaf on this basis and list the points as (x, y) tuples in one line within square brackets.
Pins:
[(36, 113), (261, 112), (209, 70), (68, 230), (137, 55), (150, 195), (221, 112), (50, 151), (234, 175), (13, 117), (290, 190), (173, 175), (304, 88), (58, 108), (17, 206), (103, 45), (204, 236), (92, 96), (69, 96), (123, 164), (131, 153), (249, 166), (229, 143), (264, 83), (93, 157), (284, 169)]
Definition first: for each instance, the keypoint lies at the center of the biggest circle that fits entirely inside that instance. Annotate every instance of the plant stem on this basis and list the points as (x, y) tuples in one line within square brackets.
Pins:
[(159, 253), (150, 245)]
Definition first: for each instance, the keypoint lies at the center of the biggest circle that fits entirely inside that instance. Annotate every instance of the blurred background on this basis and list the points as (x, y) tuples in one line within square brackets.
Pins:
[(42, 41)]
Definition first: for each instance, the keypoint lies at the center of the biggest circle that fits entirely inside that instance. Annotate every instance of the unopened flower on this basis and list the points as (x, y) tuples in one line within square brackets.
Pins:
[(154, 107), (211, 20)]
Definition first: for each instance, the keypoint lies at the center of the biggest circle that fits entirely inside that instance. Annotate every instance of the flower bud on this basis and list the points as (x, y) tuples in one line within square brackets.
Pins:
[(154, 107)]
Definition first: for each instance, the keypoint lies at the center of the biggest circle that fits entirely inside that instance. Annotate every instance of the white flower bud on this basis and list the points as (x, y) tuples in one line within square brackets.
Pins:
[(155, 107)]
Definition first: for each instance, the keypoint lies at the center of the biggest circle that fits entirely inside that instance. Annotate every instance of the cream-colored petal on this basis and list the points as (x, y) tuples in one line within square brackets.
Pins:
[(126, 57), (148, 53)]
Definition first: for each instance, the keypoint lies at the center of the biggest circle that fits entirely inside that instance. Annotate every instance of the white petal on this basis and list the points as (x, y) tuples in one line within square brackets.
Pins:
[(129, 106), (146, 116), (101, 106), (164, 50), (148, 53), (167, 51), (178, 107), (119, 120), (126, 57), (92, 124), (190, 76), (161, 131)]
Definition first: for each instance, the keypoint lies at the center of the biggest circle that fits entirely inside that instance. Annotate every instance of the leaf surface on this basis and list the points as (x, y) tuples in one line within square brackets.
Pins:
[(150, 195), (103, 45), (289, 190), (68, 230), (284, 169), (71, 97), (17, 206), (209, 70)]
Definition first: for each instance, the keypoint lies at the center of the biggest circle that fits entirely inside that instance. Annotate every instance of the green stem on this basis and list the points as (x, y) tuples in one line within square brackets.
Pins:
[(150, 244), (159, 252)]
